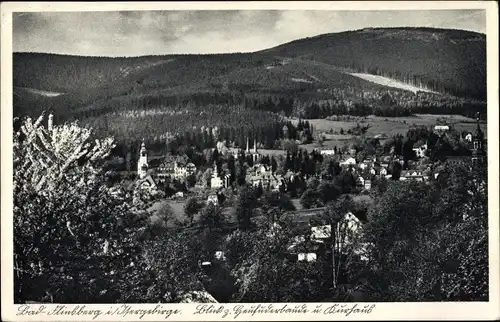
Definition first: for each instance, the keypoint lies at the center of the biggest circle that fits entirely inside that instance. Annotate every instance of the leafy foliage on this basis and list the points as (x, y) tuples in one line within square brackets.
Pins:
[(66, 218), (430, 244)]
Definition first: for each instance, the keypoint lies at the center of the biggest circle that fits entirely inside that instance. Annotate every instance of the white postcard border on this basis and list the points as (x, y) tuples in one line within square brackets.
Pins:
[(380, 311)]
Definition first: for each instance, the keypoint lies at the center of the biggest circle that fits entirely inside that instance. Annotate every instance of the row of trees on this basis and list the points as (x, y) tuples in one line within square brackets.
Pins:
[(381, 103), (420, 247)]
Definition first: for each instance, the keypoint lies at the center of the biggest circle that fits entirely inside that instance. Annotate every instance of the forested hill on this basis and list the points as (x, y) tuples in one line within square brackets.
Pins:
[(453, 60), (317, 77)]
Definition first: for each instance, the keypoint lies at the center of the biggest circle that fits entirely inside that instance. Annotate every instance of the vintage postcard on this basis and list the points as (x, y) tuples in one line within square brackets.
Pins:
[(237, 161)]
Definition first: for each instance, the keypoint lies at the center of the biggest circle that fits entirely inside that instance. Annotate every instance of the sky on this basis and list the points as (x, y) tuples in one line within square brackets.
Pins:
[(137, 33)]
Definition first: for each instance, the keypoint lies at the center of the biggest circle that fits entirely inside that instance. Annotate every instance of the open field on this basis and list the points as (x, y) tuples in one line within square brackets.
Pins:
[(177, 207), (331, 140), (356, 198), (389, 125), (272, 152), (385, 125)]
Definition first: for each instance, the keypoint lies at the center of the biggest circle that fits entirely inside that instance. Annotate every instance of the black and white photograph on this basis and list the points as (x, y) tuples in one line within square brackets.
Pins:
[(266, 155)]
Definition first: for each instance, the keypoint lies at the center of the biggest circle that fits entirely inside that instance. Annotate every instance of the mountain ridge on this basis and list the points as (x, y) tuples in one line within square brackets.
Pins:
[(431, 58), (265, 49)]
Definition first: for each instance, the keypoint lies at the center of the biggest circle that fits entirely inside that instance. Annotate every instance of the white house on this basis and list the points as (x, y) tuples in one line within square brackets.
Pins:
[(319, 233), (348, 161), (327, 152), (353, 223), (360, 181), (350, 224), (179, 194), (146, 183), (261, 175), (420, 150), (219, 255), (416, 175), (440, 129), (181, 171), (212, 199), (306, 257), (368, 184), (363, 165)]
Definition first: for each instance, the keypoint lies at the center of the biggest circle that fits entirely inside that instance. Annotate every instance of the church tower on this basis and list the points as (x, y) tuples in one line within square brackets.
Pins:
[(50, 122), (255, 153), (215, 181), (478, 152), (142, 164)]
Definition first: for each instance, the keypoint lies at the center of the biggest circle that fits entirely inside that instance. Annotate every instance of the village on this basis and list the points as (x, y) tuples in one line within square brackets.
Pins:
[(176, 180)]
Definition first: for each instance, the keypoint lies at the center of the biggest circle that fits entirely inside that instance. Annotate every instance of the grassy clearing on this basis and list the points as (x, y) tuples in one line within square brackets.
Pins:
[(177, 208), (271, 152), (384, 125), (390, 125)]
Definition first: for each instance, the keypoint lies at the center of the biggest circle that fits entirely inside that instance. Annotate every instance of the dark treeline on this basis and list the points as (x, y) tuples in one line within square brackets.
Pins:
[(66, 73), (189, 130), (389, 103), (314, 105)]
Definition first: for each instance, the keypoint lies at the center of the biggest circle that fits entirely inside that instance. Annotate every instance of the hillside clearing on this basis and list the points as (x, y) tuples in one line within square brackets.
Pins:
[(40, 92), (389, 82)]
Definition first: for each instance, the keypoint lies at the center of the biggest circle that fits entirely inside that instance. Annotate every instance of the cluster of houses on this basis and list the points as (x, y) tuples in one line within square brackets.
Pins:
[(311, 241), (370, 167), (262, 175), (366, 170), (171, 167), (180, 168)]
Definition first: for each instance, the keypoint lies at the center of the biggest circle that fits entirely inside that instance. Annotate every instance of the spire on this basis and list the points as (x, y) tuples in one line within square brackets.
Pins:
[(479, 132), (478, 149), (51, 122), (143, 149), (255, 146), (247, 150)]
